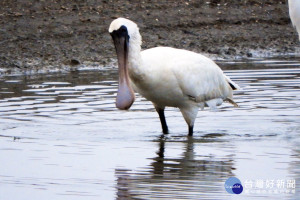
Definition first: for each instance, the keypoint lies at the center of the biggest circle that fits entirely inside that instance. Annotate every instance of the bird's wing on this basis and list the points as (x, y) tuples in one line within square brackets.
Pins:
[(187, 73), (199, 77)]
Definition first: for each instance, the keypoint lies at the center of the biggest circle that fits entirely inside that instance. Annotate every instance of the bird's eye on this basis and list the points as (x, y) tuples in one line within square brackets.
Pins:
[(123, 29)]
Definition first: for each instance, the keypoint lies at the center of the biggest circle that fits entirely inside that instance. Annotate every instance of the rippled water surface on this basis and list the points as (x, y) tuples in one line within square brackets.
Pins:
[(61, 137)]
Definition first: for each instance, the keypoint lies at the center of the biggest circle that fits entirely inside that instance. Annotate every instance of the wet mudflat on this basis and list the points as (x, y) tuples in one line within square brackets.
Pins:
[(61, 137)]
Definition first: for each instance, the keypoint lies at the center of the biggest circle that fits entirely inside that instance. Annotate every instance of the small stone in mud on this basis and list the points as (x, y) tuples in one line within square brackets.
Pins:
[(74, 62), (230, 51)]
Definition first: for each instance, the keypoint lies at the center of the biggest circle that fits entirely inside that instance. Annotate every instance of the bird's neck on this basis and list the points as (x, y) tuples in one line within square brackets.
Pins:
[(135, 58), (134, 54)]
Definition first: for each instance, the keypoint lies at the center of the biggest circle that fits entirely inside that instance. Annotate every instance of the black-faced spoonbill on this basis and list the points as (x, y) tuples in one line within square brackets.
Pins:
[(166, 76), (294, 10)]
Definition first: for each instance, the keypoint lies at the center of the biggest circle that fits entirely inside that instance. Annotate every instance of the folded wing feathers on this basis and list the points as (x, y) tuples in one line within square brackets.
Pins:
[(213, 103), (232, 84)]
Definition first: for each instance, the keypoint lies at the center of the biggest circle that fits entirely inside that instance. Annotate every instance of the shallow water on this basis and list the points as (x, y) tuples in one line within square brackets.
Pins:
[(61, 137)]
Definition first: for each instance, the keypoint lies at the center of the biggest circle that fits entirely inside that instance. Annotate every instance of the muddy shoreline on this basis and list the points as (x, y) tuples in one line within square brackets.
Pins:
[(67, 34)]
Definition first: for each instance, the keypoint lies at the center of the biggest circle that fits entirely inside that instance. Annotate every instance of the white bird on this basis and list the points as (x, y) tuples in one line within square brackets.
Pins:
[(294, 10), (166, 76)]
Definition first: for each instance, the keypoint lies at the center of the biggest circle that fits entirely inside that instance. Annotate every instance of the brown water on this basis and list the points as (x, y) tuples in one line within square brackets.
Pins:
[(61, 137)]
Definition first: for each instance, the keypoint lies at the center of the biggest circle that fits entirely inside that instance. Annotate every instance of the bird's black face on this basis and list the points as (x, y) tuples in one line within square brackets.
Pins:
[(122, 32), (125, 96)]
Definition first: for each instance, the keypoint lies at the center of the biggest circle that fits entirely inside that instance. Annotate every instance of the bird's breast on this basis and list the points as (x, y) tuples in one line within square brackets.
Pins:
[(159, 88)]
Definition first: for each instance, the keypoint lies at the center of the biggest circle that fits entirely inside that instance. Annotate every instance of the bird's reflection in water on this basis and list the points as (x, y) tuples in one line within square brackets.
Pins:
[(187, 177)]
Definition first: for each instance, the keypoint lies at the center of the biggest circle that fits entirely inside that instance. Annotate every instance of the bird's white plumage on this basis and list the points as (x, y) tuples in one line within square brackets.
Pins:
[(174, 77), (294, 10), (179, 75)]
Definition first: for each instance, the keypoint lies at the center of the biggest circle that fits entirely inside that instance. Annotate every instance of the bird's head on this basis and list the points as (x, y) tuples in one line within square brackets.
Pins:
[(124, 32)]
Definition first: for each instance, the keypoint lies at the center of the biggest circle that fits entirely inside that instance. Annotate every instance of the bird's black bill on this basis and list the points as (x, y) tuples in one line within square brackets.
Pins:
[(125, 96)]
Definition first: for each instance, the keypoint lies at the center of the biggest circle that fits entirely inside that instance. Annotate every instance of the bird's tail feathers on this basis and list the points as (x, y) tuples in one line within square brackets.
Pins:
[(229, 100), (232, 84)]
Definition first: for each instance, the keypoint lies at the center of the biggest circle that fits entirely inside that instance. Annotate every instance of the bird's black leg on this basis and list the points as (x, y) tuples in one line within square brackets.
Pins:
[(161, 113), (191, 130)]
